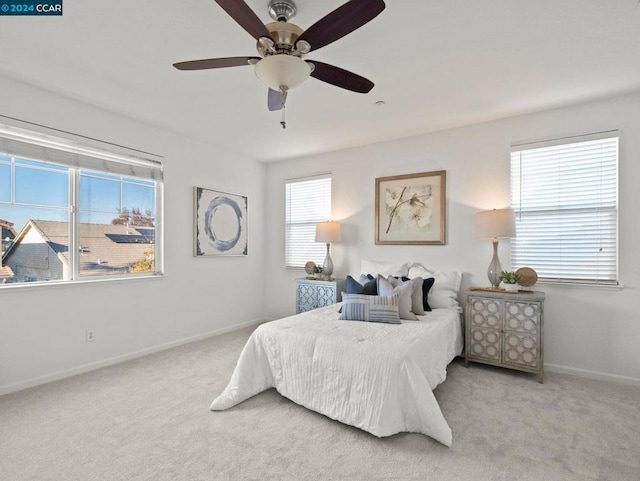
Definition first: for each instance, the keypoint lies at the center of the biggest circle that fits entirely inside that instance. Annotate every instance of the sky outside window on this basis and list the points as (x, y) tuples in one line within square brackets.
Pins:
[(45, 187), (42, 192), (5, 181)]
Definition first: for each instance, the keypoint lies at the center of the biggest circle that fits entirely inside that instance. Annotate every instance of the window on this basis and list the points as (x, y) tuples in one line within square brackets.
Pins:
[(76, 212), (565, 195), (308, 201)]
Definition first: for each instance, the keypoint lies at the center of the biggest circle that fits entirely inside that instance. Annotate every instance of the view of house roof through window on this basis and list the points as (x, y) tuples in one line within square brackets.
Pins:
[(62, 221)]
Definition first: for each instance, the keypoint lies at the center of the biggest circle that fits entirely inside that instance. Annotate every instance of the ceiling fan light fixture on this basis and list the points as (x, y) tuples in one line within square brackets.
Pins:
[(278, 71)]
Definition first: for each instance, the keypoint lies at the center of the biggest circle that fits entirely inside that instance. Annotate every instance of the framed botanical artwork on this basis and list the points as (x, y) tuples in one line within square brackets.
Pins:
[(220, 223), (411, 209)]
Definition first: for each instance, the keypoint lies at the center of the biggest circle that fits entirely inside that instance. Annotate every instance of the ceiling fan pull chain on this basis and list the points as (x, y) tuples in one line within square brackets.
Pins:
[(283, 96)]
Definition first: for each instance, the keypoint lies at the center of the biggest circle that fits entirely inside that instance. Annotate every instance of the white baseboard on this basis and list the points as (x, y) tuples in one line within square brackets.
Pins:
[(19, 386), (592, 374), (126, 357)]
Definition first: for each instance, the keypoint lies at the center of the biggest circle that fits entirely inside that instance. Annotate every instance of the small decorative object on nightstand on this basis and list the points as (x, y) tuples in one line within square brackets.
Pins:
[(528, 276), (510, 280), (311, 294), (505, 329)]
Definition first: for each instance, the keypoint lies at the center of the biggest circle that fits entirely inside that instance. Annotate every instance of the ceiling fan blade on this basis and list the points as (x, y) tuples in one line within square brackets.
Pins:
[(245, 17), (341, 78), (208, 63), (276, 100), (343, 20)]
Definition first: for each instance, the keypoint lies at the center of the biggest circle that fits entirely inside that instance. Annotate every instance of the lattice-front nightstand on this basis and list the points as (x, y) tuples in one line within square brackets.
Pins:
[(505, 329), (311, 293)]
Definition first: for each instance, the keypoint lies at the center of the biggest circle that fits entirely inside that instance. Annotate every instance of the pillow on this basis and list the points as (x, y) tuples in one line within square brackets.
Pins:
[(404, 292), (416, 270), (444, 293), (362, 286), (427, 284), (385, 269), (417, 302), (358, 307)]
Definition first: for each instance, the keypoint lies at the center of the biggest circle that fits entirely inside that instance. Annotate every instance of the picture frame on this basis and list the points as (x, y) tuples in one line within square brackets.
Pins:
[(411, 209), (220, 223)]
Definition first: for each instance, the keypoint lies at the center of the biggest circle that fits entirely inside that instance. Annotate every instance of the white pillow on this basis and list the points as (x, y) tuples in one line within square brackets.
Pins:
[(385, 269), (404, 293), (444, 293), (416, 270)]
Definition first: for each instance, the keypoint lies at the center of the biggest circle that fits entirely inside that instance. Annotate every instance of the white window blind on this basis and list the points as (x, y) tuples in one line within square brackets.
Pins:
[(565, 195), (308, 201), (46, 148)]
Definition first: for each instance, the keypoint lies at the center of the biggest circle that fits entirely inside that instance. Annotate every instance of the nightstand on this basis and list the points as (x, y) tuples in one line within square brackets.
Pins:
[(311, 293), (505, 329)]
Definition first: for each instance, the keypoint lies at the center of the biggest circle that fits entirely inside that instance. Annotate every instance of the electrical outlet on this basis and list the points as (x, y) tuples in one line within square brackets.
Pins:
[(91, 335)]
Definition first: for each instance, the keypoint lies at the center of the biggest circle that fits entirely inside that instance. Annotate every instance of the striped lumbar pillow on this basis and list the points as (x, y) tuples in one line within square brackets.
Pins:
[(359, 307)]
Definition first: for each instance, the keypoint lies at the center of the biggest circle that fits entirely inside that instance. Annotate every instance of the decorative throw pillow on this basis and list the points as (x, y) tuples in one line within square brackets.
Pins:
[(427, 284), (362, 286), (359, 307), (404, 292), (444, 293), (384, 268), (417, 303)]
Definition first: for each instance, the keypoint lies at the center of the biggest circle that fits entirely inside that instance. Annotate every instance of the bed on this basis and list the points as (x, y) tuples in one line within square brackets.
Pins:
[(375, 376)]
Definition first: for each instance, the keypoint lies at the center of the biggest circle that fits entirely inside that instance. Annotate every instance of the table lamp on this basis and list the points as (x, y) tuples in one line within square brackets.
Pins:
[(495, 224), (327, 232)]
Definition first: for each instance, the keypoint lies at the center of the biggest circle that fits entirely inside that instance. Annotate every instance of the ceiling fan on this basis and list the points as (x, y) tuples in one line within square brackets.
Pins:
[(283, 46)]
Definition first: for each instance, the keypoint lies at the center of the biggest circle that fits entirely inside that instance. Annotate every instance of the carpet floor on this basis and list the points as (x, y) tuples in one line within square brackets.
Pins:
[(149, 419)]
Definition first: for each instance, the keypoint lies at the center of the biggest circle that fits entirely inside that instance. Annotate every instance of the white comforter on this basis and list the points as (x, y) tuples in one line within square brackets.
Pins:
[(377, 377)]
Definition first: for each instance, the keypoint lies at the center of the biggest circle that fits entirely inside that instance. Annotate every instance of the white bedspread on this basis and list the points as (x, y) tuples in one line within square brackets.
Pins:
[(377, 377)]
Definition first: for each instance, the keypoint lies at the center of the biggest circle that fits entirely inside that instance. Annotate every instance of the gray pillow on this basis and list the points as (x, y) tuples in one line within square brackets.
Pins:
[(417, 303), (404, 292)]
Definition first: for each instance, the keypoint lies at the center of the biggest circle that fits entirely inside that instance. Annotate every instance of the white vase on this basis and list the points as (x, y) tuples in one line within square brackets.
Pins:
[(511, 287)]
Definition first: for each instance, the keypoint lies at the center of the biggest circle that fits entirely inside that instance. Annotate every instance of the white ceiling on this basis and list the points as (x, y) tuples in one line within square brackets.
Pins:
[(436, 63)]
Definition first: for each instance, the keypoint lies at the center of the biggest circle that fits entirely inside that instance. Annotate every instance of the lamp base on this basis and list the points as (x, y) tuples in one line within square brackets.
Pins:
[(495, 269), (327, 266)]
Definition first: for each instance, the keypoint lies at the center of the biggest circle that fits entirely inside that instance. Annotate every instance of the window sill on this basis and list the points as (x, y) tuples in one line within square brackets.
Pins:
[(53, 284)]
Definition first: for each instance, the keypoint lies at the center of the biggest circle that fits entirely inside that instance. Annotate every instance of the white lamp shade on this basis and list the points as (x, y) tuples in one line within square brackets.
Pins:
[(282, 71), (496, 223), (328, 232)]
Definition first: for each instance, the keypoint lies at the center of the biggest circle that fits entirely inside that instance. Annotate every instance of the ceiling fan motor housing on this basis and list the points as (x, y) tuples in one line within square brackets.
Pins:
[(284, 36)]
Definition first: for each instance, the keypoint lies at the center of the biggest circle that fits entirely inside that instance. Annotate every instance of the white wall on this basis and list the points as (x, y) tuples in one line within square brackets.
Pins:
[(590, 331), (42, 329)]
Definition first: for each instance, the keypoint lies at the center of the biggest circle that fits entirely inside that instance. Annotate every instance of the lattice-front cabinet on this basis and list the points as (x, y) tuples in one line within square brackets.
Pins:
[(505, 329), (311, 294)]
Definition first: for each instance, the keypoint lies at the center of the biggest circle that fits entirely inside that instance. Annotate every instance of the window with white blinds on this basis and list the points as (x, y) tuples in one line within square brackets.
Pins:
[(308, 201), (76, 212), (565, 196)]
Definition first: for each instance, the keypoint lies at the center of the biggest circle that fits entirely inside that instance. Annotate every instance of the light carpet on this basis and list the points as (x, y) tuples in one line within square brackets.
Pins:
[(149, 419)]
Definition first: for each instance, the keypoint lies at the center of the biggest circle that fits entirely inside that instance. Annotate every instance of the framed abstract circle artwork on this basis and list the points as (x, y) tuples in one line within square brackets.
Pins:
[(220, 221)]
